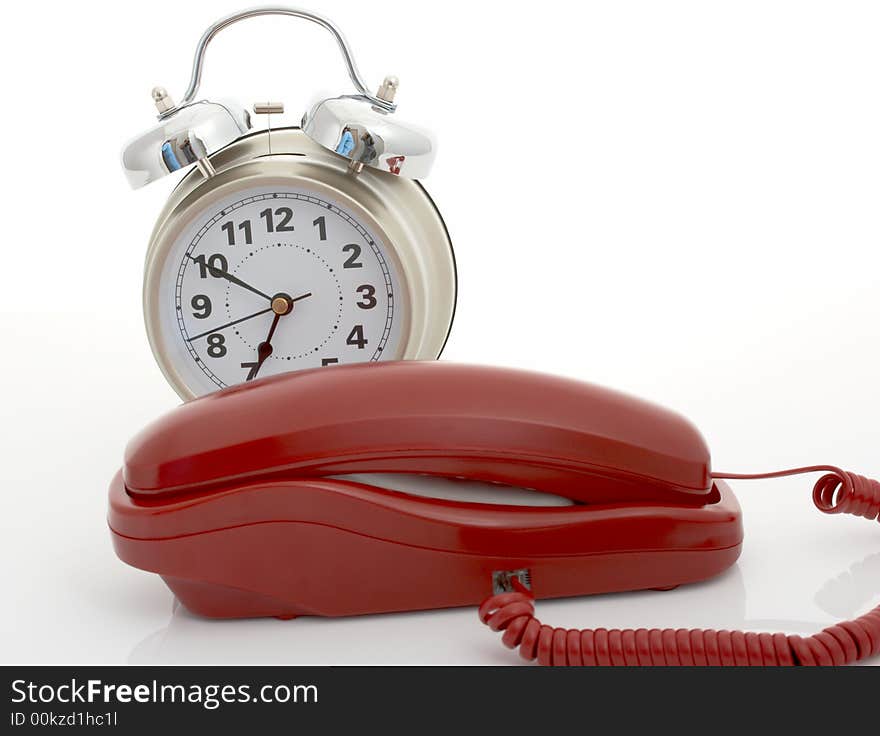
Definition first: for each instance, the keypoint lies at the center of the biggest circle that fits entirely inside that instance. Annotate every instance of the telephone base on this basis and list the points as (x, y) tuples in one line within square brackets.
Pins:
[(332, 548)]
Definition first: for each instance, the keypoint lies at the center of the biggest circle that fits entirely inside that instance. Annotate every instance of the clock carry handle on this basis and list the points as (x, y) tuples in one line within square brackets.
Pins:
[(213, 30)]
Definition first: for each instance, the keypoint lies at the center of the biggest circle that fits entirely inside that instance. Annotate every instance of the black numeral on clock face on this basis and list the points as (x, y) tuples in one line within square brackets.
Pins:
[(284, 215), (252, 367), (216, 265), (321, 224), (369, 296), (201, 305), (216, 345), (356, 337), (329, 361), (352, 261), (245, 227)]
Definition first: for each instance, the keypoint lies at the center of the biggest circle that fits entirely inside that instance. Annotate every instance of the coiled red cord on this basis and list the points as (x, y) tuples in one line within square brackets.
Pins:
[(836, 492)]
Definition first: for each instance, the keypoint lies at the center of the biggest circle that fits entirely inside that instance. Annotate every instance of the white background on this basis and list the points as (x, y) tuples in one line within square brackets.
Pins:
[(678, 199)]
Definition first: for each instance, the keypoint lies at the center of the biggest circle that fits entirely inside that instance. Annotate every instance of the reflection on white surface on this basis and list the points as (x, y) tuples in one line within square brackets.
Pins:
[(849, 594)]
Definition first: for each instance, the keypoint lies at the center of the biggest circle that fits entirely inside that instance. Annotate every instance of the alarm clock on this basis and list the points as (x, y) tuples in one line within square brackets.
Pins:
[(294, 247)]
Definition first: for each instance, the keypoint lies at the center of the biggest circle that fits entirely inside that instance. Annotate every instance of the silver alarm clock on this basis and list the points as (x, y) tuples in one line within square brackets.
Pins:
[(290, 248)]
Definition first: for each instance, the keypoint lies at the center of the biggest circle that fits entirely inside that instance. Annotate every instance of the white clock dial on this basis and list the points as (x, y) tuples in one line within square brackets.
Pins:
[(273, 279)]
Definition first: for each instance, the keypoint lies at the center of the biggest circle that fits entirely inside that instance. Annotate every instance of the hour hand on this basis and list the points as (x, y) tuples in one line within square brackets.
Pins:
[(264, 349)]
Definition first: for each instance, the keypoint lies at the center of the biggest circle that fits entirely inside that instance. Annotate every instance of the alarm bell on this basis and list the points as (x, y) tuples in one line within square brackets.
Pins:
[(185, 135), (360, 128), (353, 127)]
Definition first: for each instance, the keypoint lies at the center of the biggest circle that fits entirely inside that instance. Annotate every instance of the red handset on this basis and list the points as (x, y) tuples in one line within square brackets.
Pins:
[(239, 499), (551, 434)]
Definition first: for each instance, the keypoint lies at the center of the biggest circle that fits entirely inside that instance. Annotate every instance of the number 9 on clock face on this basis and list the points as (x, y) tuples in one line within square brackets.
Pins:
[(275, 279)]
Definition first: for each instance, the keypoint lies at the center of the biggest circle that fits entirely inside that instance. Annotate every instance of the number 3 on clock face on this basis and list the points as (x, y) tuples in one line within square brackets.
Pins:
[(275, 279)]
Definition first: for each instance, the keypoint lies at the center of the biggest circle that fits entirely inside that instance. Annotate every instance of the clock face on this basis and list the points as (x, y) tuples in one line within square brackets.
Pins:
[(271, 280)]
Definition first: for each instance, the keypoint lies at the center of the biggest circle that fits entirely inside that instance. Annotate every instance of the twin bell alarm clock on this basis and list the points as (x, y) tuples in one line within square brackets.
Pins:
[(293, 247)]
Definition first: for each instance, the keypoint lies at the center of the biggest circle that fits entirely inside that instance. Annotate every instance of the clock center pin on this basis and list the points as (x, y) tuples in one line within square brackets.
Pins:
[(282, 304)]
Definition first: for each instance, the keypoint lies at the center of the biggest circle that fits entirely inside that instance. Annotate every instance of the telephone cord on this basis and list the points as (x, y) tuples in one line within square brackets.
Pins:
[(836, 492)]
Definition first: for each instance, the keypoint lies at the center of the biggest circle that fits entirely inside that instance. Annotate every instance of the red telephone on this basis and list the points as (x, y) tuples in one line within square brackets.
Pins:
[(235, 500)]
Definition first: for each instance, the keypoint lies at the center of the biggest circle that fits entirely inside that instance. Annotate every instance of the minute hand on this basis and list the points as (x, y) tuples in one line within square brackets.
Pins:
[(235, 280)]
